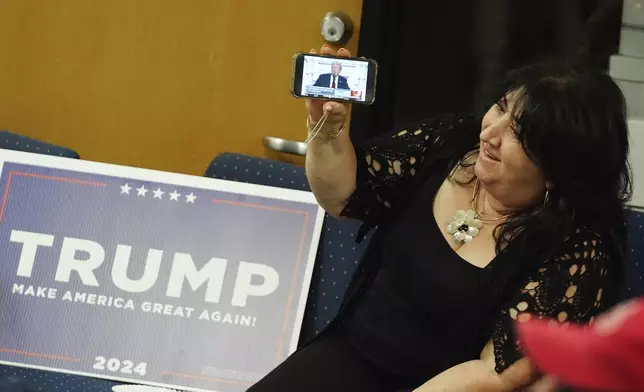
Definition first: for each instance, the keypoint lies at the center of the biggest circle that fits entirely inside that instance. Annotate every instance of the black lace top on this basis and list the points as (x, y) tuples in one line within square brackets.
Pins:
[(425, 309)]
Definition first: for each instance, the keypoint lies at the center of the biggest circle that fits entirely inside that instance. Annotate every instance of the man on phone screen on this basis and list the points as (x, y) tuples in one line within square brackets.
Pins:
[(333, 79)]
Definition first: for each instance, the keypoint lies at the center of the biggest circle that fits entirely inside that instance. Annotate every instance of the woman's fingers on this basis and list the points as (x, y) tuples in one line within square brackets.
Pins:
[(344, 53), (337, 112), (327, 50), (520, 374), (546, 384), (333, 108)]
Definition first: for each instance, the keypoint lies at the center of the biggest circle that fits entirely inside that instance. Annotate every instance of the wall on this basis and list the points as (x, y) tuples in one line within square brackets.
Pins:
[(163, 84), (627, 68), (636, 128)]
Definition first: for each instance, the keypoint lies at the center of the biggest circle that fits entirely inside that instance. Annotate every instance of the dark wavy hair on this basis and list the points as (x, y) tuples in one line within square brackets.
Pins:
[(572, 123)]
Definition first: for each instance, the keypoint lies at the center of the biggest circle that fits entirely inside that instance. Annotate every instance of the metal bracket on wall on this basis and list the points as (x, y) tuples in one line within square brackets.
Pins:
[(285, 146)]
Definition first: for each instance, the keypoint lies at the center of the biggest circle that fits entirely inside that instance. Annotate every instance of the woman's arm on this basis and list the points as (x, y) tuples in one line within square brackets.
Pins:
[(472, 376), (331, 167), (574, 286), (480, 376), (330, 163), (366, 180)]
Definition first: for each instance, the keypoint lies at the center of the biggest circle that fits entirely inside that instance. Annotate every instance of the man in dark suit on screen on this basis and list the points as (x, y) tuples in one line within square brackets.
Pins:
[(333, 79)]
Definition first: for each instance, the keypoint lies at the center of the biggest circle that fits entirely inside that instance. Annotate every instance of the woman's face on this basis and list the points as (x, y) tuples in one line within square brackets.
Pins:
[(502, 166)]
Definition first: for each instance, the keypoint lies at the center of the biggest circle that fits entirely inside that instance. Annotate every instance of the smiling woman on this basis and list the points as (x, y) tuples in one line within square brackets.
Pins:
[(541, 223), (503, 162)]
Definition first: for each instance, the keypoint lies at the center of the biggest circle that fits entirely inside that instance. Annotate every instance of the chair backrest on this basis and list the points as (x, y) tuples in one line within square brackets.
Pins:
[(635, 259), (338, 254), (12, 141)]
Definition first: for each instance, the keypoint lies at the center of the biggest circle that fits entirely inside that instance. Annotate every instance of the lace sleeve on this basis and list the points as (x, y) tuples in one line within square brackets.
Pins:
[(387, 164), (572, 287)]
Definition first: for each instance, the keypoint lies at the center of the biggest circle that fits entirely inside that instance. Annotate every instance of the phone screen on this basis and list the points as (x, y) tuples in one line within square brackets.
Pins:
[(334, 78)]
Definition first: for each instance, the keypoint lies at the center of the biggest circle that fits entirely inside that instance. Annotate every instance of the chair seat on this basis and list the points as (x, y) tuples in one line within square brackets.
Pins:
[(17, 379)]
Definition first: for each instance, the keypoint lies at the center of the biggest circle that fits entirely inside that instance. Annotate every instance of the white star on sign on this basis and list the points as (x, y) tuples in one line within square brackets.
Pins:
[(158, 193), (191, 198), (174, 196), (141, 191), (125, 189)]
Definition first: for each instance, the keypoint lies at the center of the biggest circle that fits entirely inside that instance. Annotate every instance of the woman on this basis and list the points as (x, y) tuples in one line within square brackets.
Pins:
[(540, 183)]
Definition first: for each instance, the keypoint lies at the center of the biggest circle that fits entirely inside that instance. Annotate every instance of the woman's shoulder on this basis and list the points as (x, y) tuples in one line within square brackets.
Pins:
[(583, 233), (445, 136), (448, 122), (391, 168), (434, 129), (582, 244)]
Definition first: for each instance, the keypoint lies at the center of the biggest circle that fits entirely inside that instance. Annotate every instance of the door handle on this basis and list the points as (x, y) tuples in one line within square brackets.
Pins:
[(337, 28), (285, 146)]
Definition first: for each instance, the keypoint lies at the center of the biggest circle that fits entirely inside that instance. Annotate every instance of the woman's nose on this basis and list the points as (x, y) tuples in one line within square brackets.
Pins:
[(491, 134)]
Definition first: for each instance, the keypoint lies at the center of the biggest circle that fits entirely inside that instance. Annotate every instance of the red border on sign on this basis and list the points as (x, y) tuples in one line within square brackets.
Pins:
[(297, 260), (2, 207), (40, 177), (280, 346), (39, 355), (287, 314)]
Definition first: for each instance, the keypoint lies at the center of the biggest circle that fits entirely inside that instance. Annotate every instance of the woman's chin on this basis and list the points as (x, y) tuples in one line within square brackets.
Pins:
[(479, 170), (482, 173)]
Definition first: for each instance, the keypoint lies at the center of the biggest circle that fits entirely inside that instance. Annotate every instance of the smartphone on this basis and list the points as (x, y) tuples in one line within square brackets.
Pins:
[(334, 78)]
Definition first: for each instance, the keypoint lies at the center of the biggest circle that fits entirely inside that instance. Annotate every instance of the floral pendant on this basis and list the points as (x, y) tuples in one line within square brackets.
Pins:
[(464, 226)]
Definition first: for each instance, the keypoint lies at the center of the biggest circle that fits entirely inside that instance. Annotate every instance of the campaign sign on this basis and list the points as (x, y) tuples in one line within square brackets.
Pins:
[(150, 277)]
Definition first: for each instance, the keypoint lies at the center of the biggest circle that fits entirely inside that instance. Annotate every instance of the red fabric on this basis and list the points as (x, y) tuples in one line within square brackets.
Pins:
[(609, 355)]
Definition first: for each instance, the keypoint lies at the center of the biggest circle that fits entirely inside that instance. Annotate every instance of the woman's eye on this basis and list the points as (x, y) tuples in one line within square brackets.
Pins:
[(515, 131), (500, 108)]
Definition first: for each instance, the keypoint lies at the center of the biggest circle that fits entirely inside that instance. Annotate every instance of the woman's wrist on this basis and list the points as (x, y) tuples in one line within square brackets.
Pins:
[(325, 131)]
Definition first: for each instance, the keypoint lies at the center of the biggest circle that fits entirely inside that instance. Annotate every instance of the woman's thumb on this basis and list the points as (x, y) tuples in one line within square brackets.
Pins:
[(332, 108)]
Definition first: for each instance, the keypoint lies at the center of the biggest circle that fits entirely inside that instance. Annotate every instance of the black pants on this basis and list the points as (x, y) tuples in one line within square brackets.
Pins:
[(329, 364)]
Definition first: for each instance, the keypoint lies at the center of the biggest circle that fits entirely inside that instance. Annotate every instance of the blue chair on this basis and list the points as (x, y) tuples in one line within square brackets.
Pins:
[(635, 261), (17, 379), (12, 141), (338, 254)]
